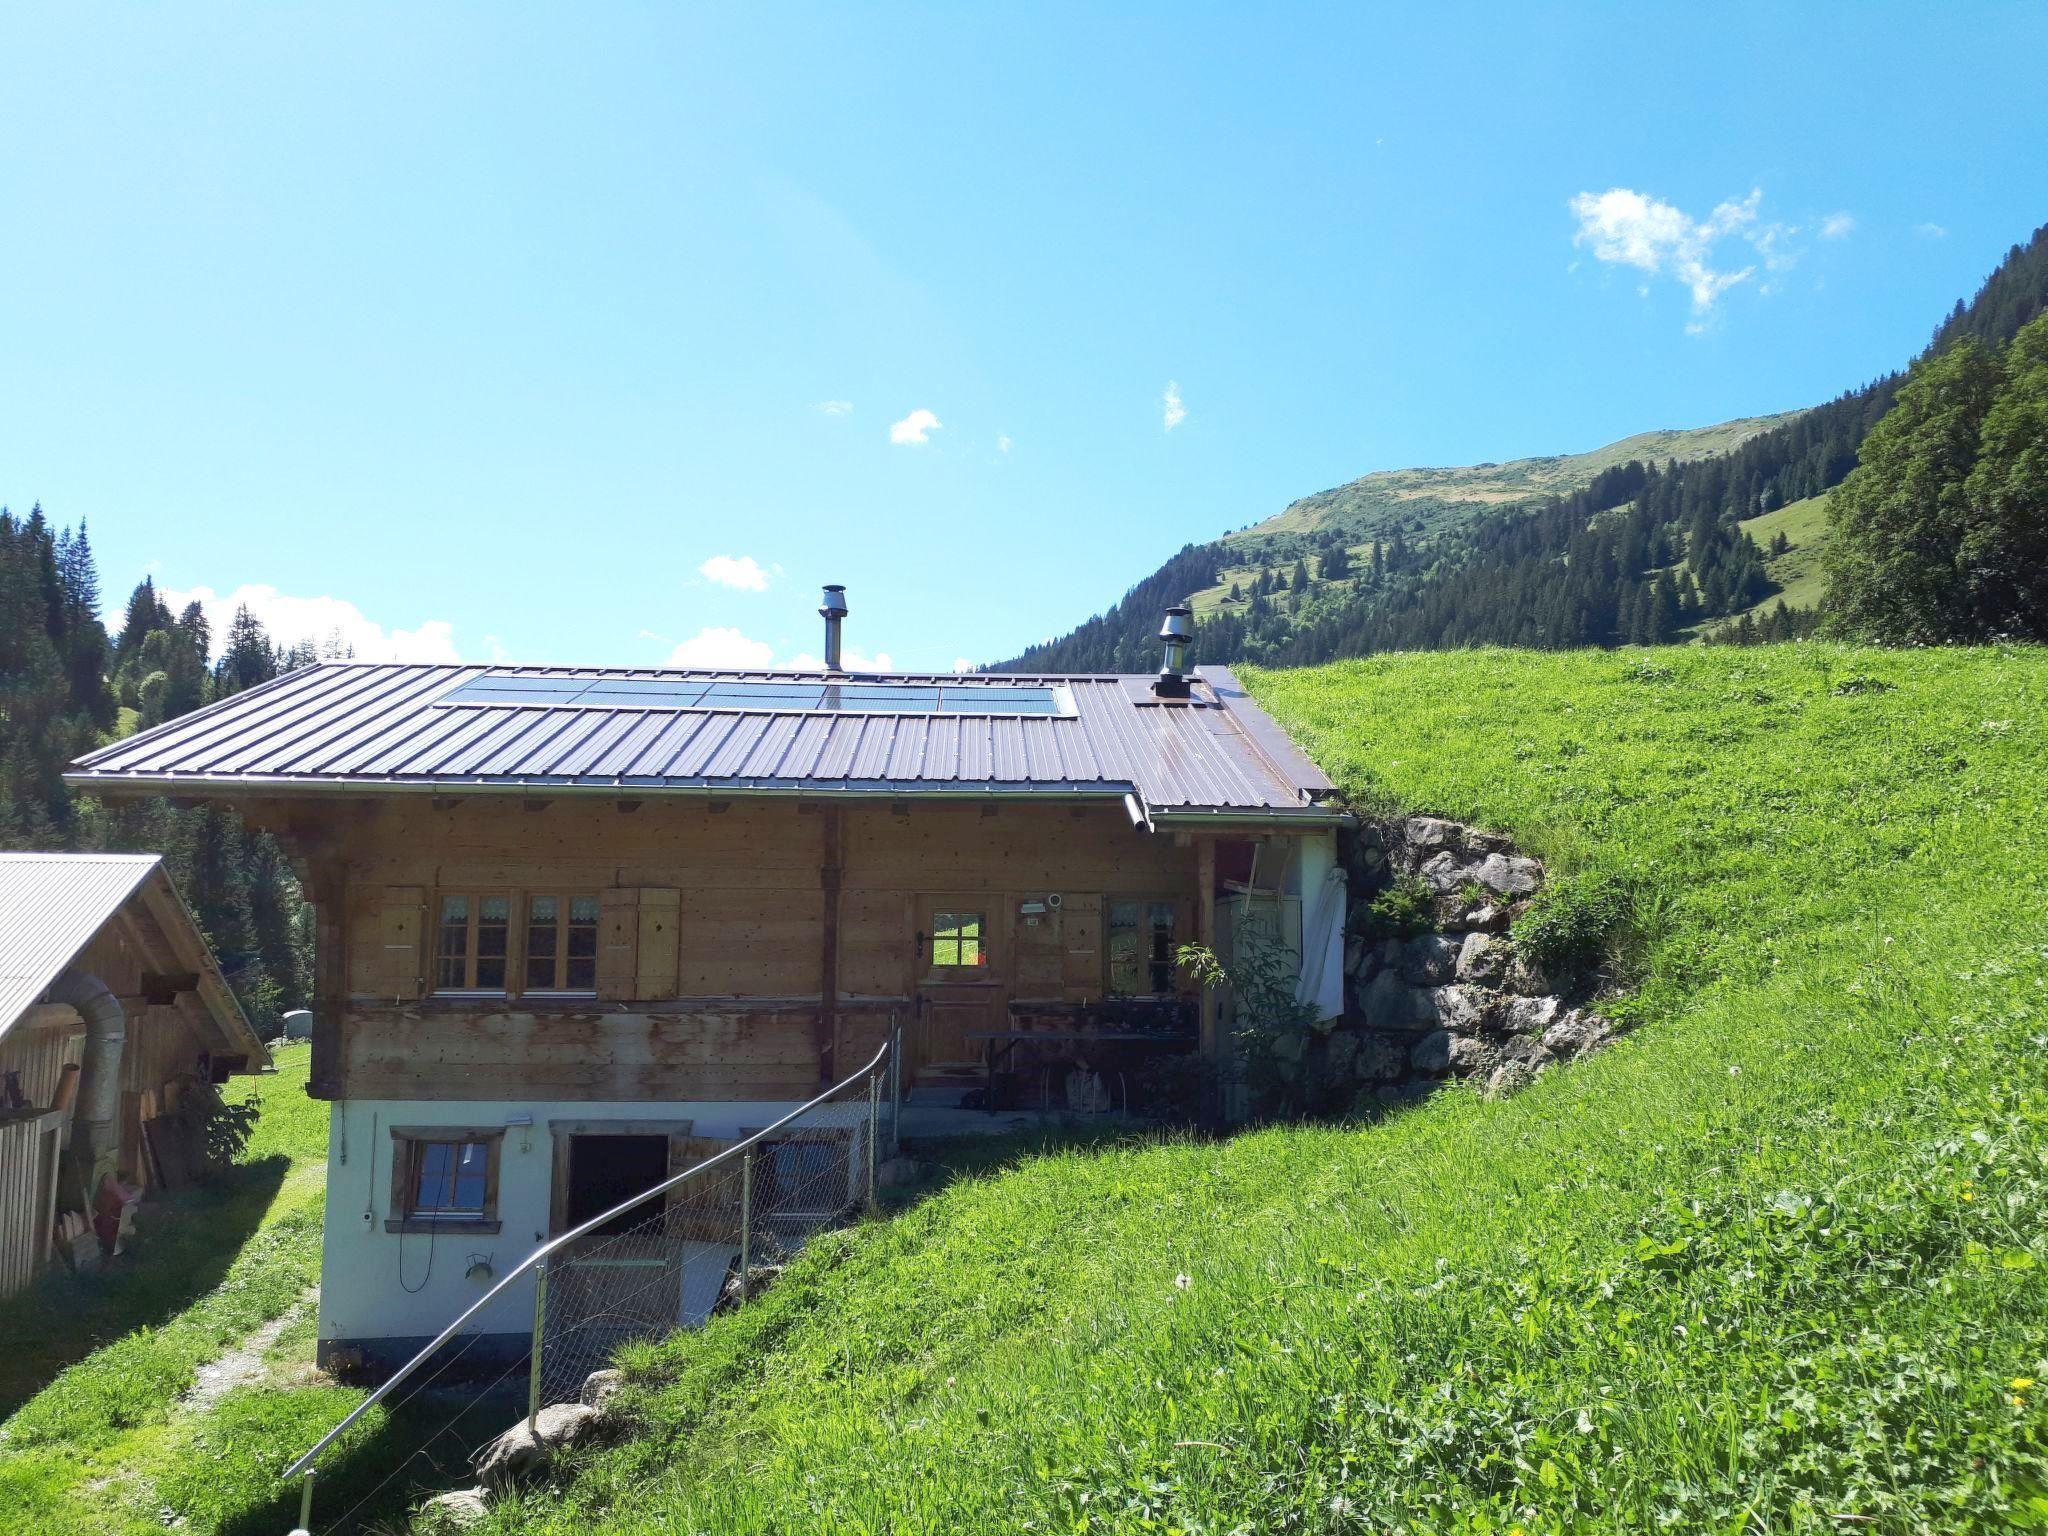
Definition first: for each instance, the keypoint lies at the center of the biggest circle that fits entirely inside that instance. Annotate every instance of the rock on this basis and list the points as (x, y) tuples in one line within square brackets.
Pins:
[(1289, 1045), (461, 1510), (1446, 874), (1528, 978), (1340, 1053), (1482, 958), (1412, 1091), (1574, 1035), (1430, 958), (1531, 1015), (1381, 1059), (1456, 1007), (600, 1387), (525, 1446), (1507, 875), (1485, 917), (1526, 1049), (1509, 1077), (1430, 834), (1487, 842), (1385, 1003), (1468, 1055), (1432, 1053), (895, 1172), (1357, 956)]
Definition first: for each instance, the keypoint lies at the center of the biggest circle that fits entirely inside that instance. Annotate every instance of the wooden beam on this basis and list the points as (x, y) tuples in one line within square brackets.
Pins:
[(1205, 934)]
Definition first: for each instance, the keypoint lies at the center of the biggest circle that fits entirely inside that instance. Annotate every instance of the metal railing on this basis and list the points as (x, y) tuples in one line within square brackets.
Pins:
[(698, 1242)]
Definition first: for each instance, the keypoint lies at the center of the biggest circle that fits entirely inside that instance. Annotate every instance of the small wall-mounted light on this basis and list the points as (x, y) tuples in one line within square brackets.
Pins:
[(479, 1271)]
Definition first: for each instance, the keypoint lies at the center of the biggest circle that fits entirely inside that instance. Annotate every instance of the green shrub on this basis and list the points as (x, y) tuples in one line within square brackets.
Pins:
[(1578, 920), (1405, 908)]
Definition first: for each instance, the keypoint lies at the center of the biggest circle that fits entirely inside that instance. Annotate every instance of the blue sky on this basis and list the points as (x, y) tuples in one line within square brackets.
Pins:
[(603, 333)]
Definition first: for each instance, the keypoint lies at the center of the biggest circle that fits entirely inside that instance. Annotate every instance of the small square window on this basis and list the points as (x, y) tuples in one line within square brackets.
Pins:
[(443, 1178), (957, 940)]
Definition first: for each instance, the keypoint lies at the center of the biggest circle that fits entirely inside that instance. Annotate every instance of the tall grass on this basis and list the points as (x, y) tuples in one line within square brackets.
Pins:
[(1776, 1262)]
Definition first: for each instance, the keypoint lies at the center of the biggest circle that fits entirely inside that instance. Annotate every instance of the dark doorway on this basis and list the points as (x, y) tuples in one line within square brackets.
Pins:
[(605, 1170)]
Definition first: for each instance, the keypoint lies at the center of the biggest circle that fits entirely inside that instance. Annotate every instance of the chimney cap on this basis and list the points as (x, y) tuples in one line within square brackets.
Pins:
[(834, 605), (1180, 623)]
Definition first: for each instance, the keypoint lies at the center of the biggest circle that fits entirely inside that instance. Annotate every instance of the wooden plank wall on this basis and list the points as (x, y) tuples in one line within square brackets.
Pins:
[(748, 934), (26, 1192)]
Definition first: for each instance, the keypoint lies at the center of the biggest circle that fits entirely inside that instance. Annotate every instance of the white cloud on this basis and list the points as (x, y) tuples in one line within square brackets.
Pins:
[(742, 573), (917, 427), (723, 647), (1931, 231), (322, 620), (1837, 226), (1173, 412), (836, 407), (1002, 442), (1632, 229), (962, 664)]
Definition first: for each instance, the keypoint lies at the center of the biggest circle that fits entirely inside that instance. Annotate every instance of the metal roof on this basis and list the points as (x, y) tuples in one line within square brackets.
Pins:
[(51, 905), (387, 726)]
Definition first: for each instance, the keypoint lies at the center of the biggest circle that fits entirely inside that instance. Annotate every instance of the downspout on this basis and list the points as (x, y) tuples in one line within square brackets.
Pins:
[(99, 1089)]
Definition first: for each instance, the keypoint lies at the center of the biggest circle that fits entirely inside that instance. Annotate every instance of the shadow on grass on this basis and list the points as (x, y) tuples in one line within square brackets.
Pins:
[(182, 1248), (373, 1482), (944, 1159)]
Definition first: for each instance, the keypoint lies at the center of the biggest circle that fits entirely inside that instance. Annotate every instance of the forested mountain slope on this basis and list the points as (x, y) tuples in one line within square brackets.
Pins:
[(1646, 550), (66, 685)]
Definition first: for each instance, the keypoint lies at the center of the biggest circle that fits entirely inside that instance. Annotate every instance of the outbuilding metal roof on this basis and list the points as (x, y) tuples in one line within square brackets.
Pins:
[(391, 725), (51, 905)]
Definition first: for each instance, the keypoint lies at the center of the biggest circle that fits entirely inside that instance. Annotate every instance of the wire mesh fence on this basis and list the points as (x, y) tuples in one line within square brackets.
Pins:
[(700, 1241), (704, 1243)]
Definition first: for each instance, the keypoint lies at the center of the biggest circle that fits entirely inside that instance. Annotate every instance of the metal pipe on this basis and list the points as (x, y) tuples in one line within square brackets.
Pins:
[(746, 1225), (106, 1034), (540, 1255), (540, 1328), (833, 611), (874, 1130)]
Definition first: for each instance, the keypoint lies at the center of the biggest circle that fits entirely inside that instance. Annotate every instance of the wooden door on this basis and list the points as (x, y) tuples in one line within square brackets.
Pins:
[(963, 995)]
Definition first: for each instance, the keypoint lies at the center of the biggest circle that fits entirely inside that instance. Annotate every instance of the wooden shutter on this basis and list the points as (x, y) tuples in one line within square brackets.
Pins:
[(655, 967), (707, 1208), (401, 969), (618, 944)]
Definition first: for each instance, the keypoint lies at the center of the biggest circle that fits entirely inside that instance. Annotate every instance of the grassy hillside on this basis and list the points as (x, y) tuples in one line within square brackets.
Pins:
[(1435, 496), (1775, 1263)]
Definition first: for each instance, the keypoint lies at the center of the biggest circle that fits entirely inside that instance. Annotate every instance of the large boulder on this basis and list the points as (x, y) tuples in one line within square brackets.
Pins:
[(1575, 1034), (1381, 1059), (1482, 959), (1432, 1053), (1468, 1054), (1446, 874), (1429, 959), (1426, 835), (526, 1446), (1455, 1007), (447, 1513), (1508, 875), (1385, 1003), (1339, 1053), (1531, 1015), (601, 1387)]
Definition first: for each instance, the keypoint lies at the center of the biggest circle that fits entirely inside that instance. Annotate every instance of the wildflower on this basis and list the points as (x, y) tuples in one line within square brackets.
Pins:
[(2020, 1383), (1181, 1282)]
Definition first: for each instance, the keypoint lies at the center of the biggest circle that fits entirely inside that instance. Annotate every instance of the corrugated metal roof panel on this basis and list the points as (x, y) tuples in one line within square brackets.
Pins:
[(51, 906), (384, 724)]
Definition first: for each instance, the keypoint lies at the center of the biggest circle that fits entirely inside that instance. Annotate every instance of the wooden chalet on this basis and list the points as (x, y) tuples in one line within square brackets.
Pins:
[(576, 924), (112, 1010)]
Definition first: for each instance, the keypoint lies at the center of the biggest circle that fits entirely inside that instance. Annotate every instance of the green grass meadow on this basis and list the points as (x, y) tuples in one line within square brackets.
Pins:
[(1776, 1262)]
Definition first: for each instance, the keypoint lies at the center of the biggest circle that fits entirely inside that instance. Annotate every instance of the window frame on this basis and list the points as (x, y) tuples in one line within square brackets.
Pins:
[(407, 1144), (983, 967), (518, 940), (564, 925), (472, 927)]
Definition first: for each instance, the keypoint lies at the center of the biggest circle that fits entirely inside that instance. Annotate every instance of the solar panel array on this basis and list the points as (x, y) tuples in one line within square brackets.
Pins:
[(794, 696)]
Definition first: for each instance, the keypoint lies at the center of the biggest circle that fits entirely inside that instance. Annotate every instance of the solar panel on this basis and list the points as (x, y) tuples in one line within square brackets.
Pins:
[(796, 696)]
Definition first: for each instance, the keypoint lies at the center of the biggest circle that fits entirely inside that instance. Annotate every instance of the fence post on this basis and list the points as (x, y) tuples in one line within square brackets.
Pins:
[(746, 1222), (540, 1324), (895, 1086), (874, 1129), (305, 1506)]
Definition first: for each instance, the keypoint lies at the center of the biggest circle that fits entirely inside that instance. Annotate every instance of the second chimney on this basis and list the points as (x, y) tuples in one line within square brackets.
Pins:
[(833, 612), (1178, 632)]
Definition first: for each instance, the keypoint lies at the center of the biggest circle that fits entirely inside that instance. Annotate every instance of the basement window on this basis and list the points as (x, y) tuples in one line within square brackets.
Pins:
[(443, 1177), (471, 939), (561, 943), (957, 940)]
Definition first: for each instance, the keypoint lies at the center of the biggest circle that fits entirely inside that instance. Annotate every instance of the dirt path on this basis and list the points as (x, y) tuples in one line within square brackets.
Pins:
[(245, 1362)]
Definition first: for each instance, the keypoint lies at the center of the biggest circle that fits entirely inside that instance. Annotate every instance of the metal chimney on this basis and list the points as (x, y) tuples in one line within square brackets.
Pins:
[(833, 612), (1178, 632)]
